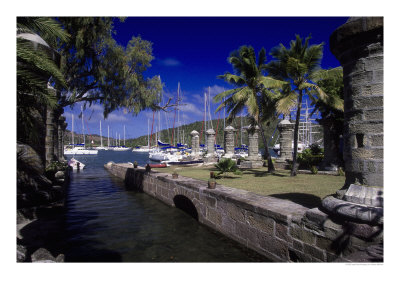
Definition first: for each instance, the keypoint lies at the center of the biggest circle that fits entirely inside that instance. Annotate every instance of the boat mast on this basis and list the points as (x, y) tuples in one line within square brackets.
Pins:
[(148, 133), (178, 129), (108, 136), (101, 137), (83, 129), (124, 135), (205, 117), (241, 129), (73, 144)]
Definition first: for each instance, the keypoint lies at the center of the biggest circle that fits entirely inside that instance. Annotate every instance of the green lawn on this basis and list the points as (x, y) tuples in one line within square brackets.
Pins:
[(303, 188)]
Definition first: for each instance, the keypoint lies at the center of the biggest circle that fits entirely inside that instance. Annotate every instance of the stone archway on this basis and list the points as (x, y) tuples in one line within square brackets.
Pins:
[(185, 204)]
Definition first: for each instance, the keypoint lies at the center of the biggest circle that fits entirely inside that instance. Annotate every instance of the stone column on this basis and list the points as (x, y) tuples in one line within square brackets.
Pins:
[(253, 160), (358, 45), (61, 128), (195, 143), (253, 142), (210, 157), (286, 133), (49, 138), (229, 141)]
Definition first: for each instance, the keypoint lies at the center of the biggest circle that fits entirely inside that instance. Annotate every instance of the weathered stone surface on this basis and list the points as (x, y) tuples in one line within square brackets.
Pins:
[(21, 253), (273, 245), (266, 224), (261, 223), (229, 141), (373, 215), (314, 252), (42, 255), (303, 235), (359, 194)]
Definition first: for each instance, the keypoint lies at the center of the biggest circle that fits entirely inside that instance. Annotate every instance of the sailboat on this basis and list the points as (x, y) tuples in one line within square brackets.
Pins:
[(121, 148), (79, 149), (101, 147)]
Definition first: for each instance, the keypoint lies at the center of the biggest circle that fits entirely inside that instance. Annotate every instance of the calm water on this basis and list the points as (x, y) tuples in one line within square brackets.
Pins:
[(106, 222)]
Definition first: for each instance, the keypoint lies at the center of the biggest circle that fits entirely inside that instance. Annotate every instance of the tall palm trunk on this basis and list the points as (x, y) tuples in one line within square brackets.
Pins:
[(296, 134), (271, 167)]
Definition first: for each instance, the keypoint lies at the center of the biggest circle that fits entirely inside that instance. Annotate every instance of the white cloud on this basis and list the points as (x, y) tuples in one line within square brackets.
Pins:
[(114, 117), (169, 62)]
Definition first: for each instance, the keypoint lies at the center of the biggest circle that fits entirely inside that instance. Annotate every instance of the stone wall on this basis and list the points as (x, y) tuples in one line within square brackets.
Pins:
[(279, 229)]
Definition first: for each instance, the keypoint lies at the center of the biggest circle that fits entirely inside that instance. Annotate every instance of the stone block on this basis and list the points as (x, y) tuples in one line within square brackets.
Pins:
[(373, 63), (235, 212), (297, 245), (370, 196), (260, 222), (282, 232), (302, 234), (376, 140), (298, 256), (373, 114), (213, 216), (314, 252), (273, 245), (315, 217), (325, 244)]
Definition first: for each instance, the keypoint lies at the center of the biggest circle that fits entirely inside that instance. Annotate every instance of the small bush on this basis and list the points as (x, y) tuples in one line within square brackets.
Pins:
[(226, 165), (314, 170), (307, 159), (341, 172)]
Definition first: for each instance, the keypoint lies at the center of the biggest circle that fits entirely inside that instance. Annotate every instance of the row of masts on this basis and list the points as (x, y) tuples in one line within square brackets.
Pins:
[(117, 139)]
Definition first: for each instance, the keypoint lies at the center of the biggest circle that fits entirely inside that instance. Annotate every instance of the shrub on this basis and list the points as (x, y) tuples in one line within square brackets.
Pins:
[(316, 149), (314, 170), (307, 159), (341, 172), (226, 165)]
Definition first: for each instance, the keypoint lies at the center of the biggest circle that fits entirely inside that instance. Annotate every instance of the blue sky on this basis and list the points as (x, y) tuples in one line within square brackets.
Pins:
[(194, 51)]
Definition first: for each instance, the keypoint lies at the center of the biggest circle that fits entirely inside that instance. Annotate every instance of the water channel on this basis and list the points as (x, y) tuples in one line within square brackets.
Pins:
[(105, 222)]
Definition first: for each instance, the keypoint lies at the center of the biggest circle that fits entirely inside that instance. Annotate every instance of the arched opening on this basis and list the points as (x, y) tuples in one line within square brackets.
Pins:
[(186, 205)]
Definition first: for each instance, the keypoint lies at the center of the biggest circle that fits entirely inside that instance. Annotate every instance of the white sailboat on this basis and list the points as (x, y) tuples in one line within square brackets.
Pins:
[(101, 147), (121, 148), (79, 149)]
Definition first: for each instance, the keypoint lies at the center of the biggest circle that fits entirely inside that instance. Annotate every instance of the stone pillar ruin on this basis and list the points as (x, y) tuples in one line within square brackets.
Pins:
[(229, 141), (195, 143), (358, 45), (49, 138), (253, 160), (211, 156), (62, 125), (286, 133)]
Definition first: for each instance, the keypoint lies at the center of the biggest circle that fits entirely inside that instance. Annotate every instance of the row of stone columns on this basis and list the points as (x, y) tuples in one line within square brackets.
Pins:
[(229, 145)]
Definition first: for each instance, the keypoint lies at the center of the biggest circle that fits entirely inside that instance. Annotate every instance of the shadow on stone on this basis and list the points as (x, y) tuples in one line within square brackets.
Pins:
[(306, 200)]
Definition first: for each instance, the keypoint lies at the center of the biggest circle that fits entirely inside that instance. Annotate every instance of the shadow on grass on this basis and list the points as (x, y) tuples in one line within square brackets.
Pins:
[(306, 200), (259, 173)]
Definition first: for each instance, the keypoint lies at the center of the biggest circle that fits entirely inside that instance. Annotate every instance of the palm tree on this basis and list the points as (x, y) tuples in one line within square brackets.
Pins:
[(253, 91), (299, 65), (36, 70)]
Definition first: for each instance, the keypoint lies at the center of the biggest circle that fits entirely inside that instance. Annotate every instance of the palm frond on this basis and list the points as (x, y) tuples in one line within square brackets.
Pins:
[(285, 104)]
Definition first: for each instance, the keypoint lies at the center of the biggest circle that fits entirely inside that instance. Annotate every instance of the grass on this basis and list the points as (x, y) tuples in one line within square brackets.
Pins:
[(305, 189)]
